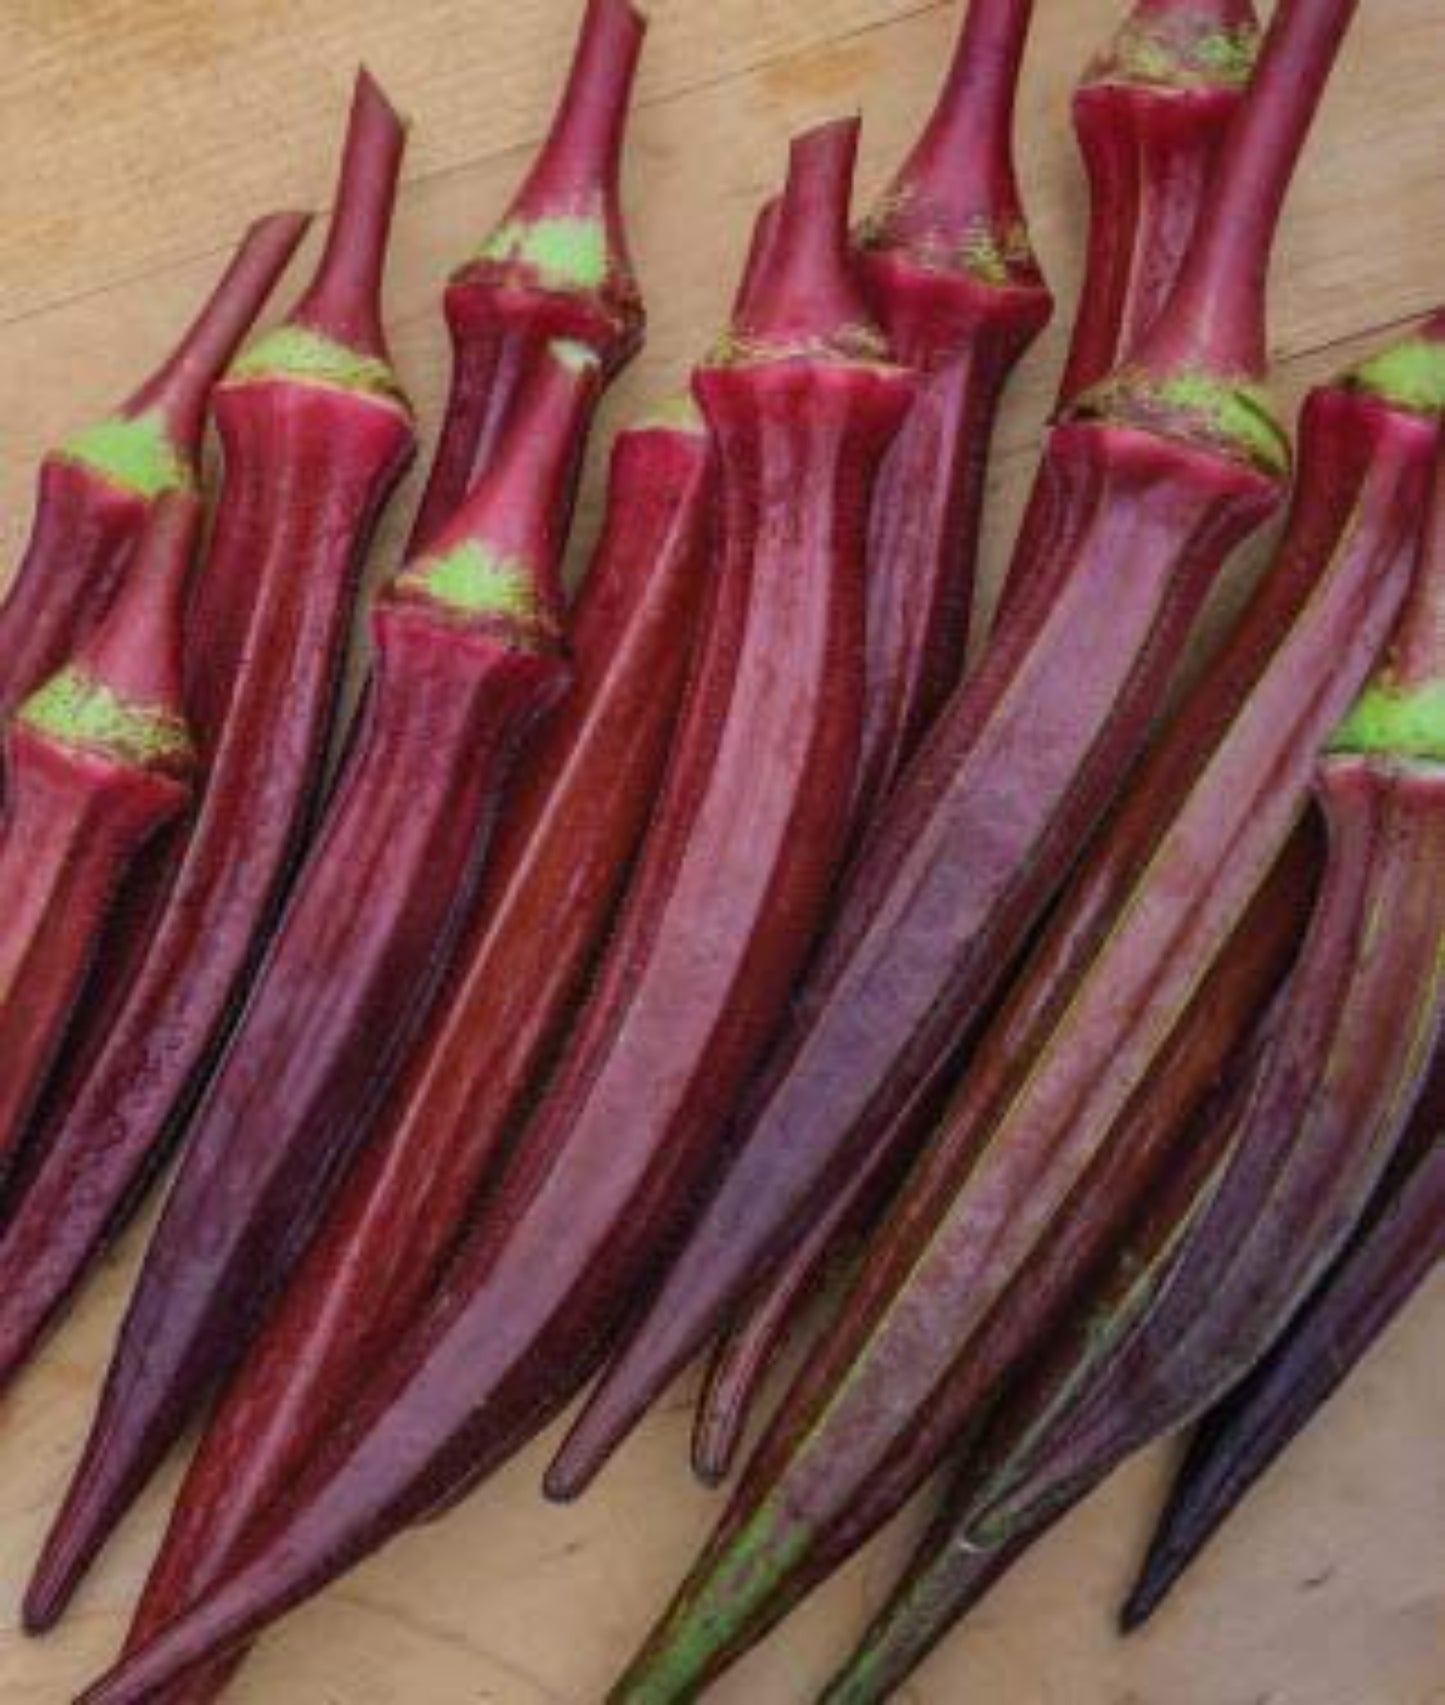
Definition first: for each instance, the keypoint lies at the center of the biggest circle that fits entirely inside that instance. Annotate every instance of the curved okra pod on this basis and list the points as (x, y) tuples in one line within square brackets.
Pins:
[(1396, 1250), (467, 644), (312, 408), (1151, 117), (1165, 466), (98, 489), (549, 893), (97, 759), (730, 888), (555, 268), (1334, 1091), (947, 262)]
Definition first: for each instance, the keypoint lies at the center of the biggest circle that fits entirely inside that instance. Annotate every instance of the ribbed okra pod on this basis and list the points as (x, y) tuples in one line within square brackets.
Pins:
[(316, 435), (1160, 470), (467, 642), (550, 891), (1336, 1085), (96, 760), (1151, 117), (98, 489), (948, 264), (1394, 1253), (729, 891), (893, 1384), (555, 268)]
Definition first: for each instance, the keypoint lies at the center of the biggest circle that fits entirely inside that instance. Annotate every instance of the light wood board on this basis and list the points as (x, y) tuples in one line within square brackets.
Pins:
[(137, 137)]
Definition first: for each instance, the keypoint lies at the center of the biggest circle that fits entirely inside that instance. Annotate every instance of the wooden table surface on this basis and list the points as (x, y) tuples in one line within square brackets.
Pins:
[(137, 138)]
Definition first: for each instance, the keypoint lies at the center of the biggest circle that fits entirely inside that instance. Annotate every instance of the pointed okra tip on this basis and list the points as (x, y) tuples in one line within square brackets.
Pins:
[(1177, 45), (496, 565), (564, 233)]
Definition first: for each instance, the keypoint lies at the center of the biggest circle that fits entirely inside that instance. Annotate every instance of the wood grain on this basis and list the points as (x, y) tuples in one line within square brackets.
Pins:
[(138, 136)]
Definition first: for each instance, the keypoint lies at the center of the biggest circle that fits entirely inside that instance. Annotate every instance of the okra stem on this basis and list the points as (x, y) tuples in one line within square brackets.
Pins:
[(343, 302)]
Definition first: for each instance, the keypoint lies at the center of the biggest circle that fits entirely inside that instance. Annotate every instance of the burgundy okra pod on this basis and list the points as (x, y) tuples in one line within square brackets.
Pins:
[(314, 408), (467, 641), (557, 267), (948, 265), (1151, 117), (730, 888), (98, 489), (96, 760), (549, 894), (1161, 469)]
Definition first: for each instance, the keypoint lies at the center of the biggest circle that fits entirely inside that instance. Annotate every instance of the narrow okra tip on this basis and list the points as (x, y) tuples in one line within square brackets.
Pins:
[(800, 296), (1182, 45)]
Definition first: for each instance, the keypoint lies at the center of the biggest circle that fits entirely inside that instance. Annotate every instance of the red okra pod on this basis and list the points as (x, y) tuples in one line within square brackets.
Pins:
[(467, 642), (1160, 470), (1151, 117), (893, 1384), (1335, 1088), (96, 760), (948, 264), (1395, 1252), (729, 892), (316, 435), (98, 489), (550, 891), (556, 268)]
